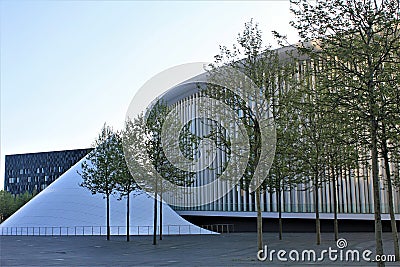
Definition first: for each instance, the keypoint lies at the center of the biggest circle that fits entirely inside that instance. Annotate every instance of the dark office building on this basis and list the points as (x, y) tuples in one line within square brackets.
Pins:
[(35, 171)]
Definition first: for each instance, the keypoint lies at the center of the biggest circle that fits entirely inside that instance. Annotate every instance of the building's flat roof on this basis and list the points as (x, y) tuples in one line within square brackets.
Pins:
[(54, 151)]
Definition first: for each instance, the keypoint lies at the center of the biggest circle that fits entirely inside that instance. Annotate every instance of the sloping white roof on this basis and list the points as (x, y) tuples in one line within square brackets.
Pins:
[(64, 208)]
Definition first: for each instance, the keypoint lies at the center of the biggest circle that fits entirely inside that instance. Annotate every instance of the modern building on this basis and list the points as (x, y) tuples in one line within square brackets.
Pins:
[(354, 187), (66, 208), (354, 190), (35, 171)]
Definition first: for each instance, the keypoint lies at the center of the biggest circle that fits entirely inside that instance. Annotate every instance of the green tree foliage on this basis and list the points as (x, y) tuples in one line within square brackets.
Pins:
[(155, 119), (134, 138), (101, 170), (10, 203), (125, 182), (248, 56), (272, 76), (357, 45), (286, 171), (312, 138)]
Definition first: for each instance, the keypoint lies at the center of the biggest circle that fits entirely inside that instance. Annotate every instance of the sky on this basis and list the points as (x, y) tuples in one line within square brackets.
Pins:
[(68, 67)]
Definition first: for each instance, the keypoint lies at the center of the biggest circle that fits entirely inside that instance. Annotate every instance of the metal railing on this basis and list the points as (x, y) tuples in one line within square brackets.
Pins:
[(100, 230), (220, 228)]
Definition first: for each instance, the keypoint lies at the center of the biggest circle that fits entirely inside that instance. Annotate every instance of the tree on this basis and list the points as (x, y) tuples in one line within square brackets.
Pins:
[(7, 204), (341, 152), (135, 140), (357, 42), (385, 153), (156, 150), (101, 168), (312, 138), (10, 203), (285, 173), (389, 144), (125, 182), (154, 123), (260, 65)]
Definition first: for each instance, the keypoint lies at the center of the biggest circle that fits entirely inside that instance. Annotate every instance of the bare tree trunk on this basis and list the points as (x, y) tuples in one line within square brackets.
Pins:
[(335, 208), (258, 190), (108, 216), (259, 219), (155, 217), (279, 201), (127, 218), (161, 210), (390, 200), (377, 197), (317, 221)]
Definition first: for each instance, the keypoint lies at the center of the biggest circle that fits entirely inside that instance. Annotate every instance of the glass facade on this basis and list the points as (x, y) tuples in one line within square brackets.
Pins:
[(35, 171), (354, 187)]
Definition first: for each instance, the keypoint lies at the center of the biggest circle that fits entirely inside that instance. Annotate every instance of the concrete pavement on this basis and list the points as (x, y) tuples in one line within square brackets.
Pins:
[(234, 249)]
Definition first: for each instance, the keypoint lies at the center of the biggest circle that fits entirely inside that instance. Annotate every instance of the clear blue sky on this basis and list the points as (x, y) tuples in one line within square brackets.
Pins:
[(69, 66)]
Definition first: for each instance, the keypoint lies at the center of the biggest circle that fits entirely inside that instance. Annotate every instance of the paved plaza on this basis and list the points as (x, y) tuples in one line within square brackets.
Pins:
[(234, 249)]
